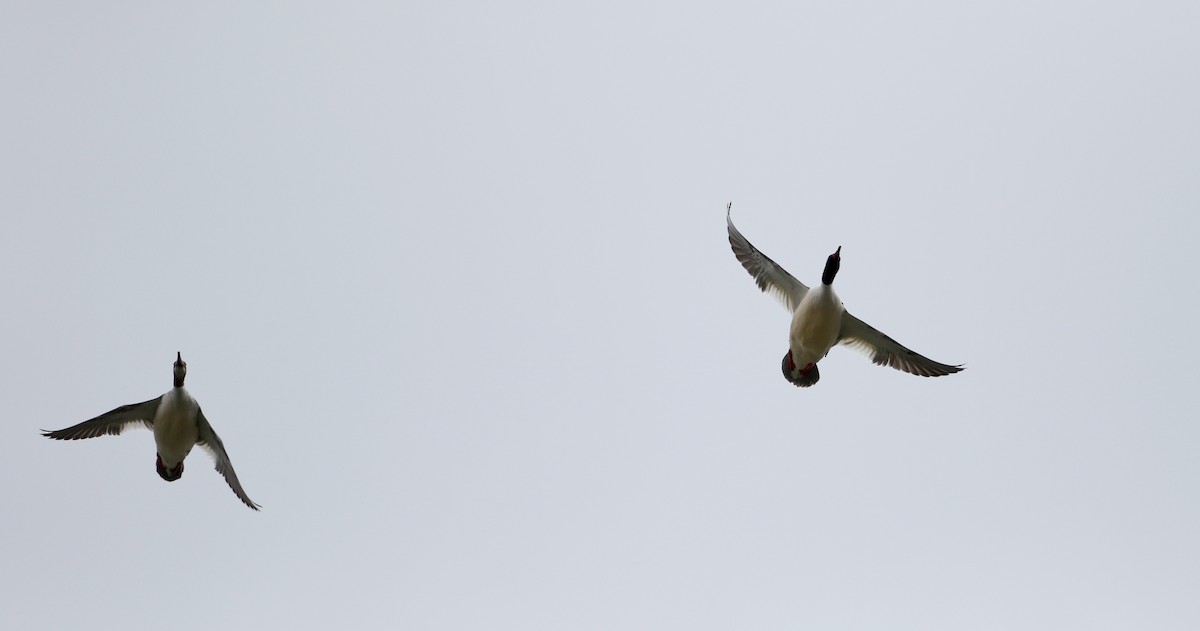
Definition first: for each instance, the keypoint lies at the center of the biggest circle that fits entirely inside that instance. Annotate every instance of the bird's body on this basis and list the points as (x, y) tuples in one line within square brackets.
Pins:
[(178, 424), (175, 427), (820, 321), (816, 323)]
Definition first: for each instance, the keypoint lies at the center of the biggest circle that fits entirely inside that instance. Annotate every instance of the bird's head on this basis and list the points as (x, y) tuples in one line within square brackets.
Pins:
[(180, 370), (831, 266)]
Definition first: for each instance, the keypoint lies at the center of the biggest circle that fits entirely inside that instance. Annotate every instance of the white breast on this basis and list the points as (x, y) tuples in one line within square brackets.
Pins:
[(815, 325), (175, 429)]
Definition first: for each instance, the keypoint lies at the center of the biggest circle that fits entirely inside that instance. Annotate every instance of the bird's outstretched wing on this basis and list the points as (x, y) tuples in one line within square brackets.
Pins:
[(885, 351), (208, 439), (112, 422), (769, 275)]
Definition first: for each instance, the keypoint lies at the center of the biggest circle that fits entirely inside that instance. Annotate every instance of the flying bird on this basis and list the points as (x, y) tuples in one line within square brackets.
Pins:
[(178, 425), (819, 321)]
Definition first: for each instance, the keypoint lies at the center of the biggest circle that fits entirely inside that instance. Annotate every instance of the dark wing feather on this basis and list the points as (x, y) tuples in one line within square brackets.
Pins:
[(885, 351), (112, 422), (768, 275), (209, 440)]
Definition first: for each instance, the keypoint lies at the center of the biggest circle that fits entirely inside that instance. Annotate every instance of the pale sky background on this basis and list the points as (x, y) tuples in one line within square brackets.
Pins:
[(453, 285)]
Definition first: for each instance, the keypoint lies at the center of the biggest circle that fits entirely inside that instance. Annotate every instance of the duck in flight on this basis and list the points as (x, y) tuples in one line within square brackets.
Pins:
[(178, 425), (819, 321)]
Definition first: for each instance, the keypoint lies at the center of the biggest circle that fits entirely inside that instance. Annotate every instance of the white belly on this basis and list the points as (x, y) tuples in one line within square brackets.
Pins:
[(815, 325), (175, 430)]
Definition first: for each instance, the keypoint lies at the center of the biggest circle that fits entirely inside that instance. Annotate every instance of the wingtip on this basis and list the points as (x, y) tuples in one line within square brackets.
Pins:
[(949, 370)]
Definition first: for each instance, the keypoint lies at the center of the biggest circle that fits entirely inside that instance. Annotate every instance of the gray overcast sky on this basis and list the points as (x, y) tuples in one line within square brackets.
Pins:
[(453, 285)]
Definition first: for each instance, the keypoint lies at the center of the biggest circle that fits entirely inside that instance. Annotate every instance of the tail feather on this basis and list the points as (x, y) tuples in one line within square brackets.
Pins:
[(795, 374)]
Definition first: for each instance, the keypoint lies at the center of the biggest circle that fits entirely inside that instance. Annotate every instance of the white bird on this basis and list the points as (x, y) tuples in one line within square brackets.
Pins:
[(819, 321), (178, 425)]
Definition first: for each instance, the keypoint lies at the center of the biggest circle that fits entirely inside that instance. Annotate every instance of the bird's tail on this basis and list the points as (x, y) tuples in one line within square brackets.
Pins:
[(797, 375)]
